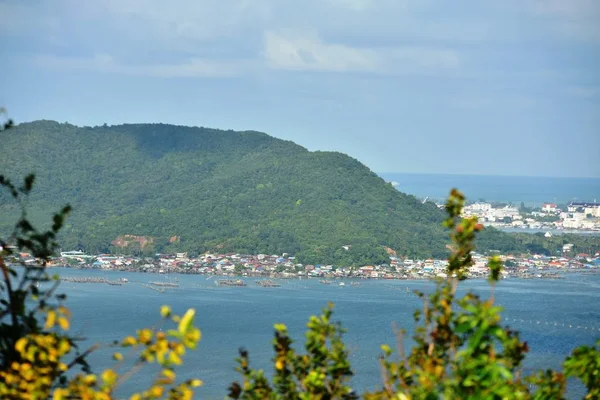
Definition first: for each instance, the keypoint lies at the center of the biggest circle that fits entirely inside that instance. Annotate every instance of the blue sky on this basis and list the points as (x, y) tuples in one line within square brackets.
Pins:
[(507, 87)]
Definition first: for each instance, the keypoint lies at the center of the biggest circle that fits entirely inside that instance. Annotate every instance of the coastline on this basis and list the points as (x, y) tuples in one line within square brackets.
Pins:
[(533, 231), (172, 276)]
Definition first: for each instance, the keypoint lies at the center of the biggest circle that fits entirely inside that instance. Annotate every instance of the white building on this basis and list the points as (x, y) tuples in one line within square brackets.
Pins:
[(506, 211), (585, 208), (549, 208)]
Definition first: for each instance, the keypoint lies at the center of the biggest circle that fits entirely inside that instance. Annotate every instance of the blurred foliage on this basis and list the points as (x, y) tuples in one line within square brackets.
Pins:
[(323, 372)]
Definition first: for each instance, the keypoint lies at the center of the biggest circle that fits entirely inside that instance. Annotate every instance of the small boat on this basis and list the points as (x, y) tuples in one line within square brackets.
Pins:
[(267, 283), (342, 284), (230, 282), (165, 284)]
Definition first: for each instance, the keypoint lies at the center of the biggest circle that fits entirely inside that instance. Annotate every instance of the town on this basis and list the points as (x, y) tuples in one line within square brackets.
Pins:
[(285, 266), (576, 216)]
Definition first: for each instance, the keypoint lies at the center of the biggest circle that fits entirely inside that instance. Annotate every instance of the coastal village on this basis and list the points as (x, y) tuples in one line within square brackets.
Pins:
[(576, 216), (285, 266)]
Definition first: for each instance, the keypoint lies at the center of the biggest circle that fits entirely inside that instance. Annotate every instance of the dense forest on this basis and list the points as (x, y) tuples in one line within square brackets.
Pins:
[(199, 189)]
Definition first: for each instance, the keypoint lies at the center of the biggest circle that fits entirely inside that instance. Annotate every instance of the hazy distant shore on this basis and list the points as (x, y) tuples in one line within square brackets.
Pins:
[(552, 231)]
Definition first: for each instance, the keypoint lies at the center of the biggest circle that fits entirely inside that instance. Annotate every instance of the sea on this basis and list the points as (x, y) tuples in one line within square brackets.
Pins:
[(533, 191), (553, 316)]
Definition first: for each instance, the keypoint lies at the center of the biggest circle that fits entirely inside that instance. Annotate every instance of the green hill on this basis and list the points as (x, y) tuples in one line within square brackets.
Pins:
[(196, 189), (199, 189)]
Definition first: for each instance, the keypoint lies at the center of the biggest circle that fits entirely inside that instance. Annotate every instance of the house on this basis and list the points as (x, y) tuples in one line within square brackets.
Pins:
[(549, 208), (74, 254)]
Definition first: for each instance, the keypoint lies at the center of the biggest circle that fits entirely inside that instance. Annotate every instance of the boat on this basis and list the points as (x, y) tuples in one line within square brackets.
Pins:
[(342, 284), (267, 283), (164, 284), (230, 282), (325, 282)]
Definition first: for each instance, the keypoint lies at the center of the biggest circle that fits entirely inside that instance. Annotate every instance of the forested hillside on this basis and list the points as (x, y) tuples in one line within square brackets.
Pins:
[(199, 189)]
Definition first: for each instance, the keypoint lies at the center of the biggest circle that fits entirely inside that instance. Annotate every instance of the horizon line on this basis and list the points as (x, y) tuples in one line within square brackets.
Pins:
[(488, 175)]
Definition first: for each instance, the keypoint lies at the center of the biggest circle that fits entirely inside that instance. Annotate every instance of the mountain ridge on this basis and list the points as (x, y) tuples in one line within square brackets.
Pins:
[(225, 190)]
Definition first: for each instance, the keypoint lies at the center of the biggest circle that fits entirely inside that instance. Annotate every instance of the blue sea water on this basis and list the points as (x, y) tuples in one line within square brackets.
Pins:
[(533, 191), (234, 317)]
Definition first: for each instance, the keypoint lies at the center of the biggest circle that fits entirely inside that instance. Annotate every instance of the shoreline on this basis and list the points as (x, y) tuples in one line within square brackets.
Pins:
[(548, 274), (533, 231)]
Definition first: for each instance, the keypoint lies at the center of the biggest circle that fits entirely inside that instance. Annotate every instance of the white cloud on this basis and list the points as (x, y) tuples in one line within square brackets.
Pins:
[(309, 52), (105, 63)]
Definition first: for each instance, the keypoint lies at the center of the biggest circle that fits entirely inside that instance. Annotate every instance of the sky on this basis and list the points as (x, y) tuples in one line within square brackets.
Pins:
[(507, 87)]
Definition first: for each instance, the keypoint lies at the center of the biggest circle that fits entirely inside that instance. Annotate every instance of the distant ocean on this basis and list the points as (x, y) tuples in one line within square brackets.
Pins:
[(533, 191)]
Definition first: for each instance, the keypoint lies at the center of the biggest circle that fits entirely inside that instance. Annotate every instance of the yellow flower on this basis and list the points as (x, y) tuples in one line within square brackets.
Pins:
[(129, 341), (156, 391), (50, 319), (165, 311), (195, 383), (20, 345), (279, 364), (109, 377), (145, 336), (64, 323)]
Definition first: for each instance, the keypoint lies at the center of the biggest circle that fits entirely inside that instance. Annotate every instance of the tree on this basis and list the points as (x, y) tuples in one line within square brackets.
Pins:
[(239, 268)]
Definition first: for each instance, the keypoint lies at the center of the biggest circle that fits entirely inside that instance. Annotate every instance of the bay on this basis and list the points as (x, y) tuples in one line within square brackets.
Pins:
[(554, 317)]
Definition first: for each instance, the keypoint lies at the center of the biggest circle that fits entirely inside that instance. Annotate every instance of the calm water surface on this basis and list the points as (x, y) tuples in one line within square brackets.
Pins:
[(234, 317)]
